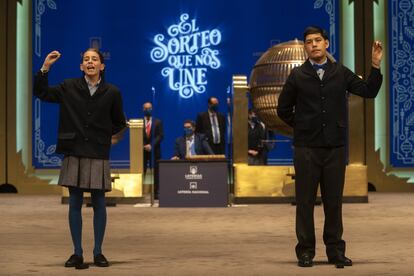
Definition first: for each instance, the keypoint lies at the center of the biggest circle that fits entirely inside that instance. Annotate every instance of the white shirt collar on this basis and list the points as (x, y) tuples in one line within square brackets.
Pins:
[(313, 62), (90, 84)]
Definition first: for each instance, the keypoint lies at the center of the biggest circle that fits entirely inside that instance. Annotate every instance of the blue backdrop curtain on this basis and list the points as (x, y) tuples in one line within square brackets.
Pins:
[(176, 53)]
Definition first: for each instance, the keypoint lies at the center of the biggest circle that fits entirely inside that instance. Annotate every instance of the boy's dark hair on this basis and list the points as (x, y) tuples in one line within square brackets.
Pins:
[(191, 122), (315, 30)]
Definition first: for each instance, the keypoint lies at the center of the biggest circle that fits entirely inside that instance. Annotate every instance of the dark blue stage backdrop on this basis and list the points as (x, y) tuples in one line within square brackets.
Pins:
[(401, 76), (175, 53)]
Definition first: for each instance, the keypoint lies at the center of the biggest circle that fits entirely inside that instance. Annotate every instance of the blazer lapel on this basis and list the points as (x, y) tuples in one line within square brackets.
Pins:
[(307, 68), (183, 145), (207, 120), (102, 88), (330, 70), (197, 144), (154, 121), (83, 86)]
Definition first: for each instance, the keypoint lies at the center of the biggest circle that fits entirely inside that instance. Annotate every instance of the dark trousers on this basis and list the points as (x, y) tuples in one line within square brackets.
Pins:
[(217, 148), (324, 166), (255, 160), (75, 218)]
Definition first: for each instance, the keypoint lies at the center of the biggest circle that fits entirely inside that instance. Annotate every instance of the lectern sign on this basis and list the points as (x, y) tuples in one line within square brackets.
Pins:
[(189, 53), (193, 184)]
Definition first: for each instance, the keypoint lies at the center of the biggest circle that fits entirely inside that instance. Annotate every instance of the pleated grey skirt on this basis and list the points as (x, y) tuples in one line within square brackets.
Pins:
[(85, 173)]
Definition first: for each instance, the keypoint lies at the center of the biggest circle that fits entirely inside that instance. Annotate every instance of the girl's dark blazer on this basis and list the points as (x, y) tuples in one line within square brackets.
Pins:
[(86, 123)]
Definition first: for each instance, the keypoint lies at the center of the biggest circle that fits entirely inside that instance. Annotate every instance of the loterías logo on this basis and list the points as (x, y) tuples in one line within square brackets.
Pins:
[(188, 53)]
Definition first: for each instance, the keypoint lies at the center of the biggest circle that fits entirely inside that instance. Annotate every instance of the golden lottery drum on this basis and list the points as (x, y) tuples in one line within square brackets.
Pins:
[(268, 77)]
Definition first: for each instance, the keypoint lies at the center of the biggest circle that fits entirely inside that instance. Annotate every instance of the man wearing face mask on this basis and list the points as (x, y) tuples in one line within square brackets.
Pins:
[(256, 135), (153, 134), (213, 125), (191, 143)]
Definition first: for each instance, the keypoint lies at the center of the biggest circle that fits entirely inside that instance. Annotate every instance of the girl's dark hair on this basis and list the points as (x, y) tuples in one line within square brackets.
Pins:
[(315, 30), (101, 58)]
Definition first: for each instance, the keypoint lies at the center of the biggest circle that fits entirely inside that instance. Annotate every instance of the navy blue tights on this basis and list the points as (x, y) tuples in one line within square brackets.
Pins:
[(75, 218)]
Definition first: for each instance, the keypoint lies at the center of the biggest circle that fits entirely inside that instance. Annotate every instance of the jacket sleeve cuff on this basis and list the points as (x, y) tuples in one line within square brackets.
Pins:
[(375, 70)]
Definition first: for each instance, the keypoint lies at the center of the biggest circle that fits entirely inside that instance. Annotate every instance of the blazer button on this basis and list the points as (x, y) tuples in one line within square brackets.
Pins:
[(323, 98), (323, 125), (86, 126), (86, 139), (89, 114), (323, 111), (321, 85)]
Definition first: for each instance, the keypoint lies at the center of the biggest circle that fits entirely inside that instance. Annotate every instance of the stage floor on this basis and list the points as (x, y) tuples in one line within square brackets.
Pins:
[(242, 240)]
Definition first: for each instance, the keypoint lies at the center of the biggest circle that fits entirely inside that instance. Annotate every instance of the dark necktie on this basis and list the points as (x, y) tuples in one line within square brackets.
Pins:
[(320, 66), (216, 138)]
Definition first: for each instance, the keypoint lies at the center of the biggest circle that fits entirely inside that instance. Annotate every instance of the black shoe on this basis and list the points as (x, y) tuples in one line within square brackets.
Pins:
[(82, 266), (76, 261), (340, 261), (305, 261), (100, 260)]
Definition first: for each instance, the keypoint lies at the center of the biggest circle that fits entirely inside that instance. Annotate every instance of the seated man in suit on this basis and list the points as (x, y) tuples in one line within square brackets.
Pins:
[(190, 144)]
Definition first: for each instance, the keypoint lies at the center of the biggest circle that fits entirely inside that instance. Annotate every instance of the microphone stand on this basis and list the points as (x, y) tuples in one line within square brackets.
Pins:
[(229, 144), (152, 131)]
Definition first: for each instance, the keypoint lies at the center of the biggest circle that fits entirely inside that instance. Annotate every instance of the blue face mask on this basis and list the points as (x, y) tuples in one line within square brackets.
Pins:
[(254, 119), (147, 112), (188, 131), (214, 107)]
